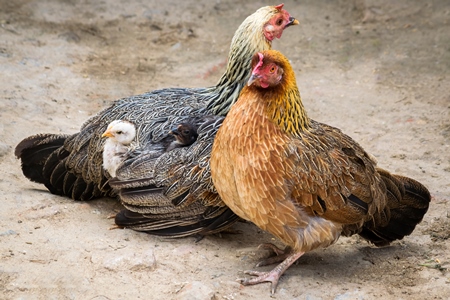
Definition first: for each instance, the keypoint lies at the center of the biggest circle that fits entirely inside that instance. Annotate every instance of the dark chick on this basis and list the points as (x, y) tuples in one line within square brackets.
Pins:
[(303, 181), (185, 135)]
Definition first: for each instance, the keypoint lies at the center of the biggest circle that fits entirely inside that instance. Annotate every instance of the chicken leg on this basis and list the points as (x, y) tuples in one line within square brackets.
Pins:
[(274, 275)]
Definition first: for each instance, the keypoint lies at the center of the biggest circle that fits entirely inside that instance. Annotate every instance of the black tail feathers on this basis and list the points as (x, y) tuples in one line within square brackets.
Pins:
[(408, 201), (34, 152)]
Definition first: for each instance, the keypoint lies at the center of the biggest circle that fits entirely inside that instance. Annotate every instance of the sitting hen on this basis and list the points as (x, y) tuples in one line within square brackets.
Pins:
[(303, 181), (72, 165)]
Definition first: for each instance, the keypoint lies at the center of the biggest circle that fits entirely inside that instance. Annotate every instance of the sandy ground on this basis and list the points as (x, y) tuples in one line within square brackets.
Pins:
[(379, 70)]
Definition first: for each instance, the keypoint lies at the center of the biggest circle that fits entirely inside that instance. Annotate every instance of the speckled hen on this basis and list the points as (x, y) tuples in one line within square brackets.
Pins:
[(173, 195)]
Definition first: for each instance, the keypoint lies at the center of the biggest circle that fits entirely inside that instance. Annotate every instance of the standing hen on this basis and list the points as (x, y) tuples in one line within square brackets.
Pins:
[(72, 165), (303, 181)]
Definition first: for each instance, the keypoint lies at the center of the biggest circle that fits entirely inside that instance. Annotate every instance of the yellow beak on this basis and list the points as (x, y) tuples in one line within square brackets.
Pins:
[(107, 133), (292, 21)]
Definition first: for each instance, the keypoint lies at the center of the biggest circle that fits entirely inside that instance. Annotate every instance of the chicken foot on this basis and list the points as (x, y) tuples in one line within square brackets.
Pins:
[(274, 275), (279, 256)]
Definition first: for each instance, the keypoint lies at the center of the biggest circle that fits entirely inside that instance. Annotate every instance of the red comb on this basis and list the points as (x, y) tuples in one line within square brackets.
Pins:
[(260, 63), (261, 57), (279, 6)]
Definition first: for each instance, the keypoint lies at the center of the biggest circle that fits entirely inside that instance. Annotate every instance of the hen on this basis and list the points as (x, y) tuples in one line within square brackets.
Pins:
[(72, 165), (303, 181)]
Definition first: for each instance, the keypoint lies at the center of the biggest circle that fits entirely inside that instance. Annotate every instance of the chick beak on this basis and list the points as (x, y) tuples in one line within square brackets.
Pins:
[(292, 21), (253, 78), (174, 131), (107, 133)]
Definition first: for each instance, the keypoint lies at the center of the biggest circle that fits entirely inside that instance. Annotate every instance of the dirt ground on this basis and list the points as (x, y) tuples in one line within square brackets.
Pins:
[(379, 70)]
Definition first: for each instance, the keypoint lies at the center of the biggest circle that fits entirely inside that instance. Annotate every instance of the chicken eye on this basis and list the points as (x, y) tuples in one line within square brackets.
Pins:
[(119, 132), (272, 70), (186, 132), (279, 22)]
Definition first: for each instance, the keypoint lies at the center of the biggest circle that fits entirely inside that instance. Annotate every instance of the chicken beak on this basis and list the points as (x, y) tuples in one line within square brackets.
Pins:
[(174, 131), (107, 133), (253, 78), (292, 21)]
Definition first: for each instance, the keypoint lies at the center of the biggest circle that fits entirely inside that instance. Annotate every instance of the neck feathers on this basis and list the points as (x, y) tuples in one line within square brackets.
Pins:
[(283, 104), (287, 111), (248, 39)]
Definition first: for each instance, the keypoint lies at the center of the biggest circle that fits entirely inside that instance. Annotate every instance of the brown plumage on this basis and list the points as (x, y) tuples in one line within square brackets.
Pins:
[(303, 181), (165, 192)]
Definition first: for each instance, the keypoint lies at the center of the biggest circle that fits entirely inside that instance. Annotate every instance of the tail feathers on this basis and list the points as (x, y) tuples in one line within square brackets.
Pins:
[(34, 152), (169, 226), (407, 203), (54, 161), (44, 159), (62, 181)]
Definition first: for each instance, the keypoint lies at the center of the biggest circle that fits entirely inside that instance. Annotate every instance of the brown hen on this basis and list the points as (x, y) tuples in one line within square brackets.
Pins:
[(303, 181)]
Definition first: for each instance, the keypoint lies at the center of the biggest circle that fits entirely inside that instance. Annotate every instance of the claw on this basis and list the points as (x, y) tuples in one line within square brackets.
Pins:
[(271, 277), (274, 275)]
